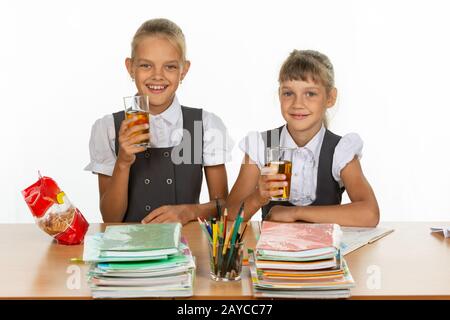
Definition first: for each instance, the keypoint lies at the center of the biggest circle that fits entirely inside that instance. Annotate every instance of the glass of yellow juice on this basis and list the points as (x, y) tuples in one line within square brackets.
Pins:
[(138, 106), (280, 159)]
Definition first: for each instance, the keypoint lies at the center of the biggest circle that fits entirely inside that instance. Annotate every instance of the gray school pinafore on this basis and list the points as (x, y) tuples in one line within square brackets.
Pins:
[(155, 180), (328, 191)]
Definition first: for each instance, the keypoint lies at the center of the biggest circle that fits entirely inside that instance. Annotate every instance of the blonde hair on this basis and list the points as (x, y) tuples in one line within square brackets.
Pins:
[(161, 28), (308, 64)]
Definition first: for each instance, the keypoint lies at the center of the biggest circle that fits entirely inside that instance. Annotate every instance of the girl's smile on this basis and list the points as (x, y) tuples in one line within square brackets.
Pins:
[(156, 88), (298, 116)]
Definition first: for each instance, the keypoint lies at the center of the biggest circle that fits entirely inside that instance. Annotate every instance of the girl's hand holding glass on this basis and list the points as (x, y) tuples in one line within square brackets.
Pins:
[(270, 184), (128, 140)]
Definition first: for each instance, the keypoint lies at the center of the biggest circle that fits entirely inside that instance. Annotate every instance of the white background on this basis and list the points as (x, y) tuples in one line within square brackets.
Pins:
[(62, 67)]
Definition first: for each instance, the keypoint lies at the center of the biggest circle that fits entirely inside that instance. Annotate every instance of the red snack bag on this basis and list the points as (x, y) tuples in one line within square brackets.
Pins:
[(54, 213)]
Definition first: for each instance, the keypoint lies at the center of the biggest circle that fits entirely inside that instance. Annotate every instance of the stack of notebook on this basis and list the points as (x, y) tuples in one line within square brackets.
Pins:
[(296, 260), (132, 261)]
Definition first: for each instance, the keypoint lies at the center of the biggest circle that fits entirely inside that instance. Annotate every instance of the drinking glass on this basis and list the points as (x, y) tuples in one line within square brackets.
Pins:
[(280, 159), (138, 106)]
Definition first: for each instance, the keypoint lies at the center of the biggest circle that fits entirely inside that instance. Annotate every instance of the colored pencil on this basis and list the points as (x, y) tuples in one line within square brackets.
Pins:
[(225, 215), (204, 229), (241, 237), (214, 236), (218, 209), (233, 238), (227, 240)]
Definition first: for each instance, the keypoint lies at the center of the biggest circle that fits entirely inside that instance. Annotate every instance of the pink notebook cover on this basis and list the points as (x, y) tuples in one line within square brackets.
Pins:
[(297, 236)]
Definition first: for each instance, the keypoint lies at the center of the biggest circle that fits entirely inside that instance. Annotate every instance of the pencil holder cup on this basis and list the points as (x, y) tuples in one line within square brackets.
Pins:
[(226, 263)]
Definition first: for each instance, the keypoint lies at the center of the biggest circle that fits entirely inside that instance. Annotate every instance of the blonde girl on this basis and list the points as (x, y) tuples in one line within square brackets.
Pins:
[(150, 185)]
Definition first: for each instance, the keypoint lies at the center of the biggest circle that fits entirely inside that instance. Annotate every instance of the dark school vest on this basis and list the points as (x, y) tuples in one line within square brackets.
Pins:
[(328, 191), (155, 180)]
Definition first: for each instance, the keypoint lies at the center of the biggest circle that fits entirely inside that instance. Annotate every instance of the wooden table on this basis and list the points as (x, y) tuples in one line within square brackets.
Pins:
[(410, 263)]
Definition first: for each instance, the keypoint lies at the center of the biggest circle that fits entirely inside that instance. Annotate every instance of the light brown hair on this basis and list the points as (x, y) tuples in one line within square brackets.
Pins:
[(161, 28), (308, 64)]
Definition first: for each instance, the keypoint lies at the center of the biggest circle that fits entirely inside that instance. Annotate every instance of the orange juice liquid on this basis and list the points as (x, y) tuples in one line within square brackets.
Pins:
[(283, 167), (142, 118)]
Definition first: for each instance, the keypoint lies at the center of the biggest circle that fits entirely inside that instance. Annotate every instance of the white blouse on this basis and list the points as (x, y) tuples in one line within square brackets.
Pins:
[(305, 160), (166, 130)]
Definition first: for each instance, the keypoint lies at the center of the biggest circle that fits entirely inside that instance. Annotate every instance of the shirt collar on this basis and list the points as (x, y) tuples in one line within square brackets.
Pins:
[(314, 145), (172, 113)]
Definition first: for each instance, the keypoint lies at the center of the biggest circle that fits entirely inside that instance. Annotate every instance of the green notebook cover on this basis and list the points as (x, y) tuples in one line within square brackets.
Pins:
[(92, 253), (184, 257), (141, 237), (139, 265)]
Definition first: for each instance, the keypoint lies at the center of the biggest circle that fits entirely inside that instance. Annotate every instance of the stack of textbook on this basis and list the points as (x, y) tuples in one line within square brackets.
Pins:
[(296, 260), (132, 261)]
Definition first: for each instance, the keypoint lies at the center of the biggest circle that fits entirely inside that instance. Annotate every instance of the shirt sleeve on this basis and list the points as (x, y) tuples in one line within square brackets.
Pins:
[(349, 147), (253, 146), (102, 147), (217, 143)]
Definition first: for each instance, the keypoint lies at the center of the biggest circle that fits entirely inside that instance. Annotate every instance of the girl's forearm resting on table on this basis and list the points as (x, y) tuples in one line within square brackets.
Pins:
[(358, 214)]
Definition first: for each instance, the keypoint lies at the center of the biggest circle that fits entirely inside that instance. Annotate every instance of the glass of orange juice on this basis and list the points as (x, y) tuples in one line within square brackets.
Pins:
[(138, 106), (280, 160)]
